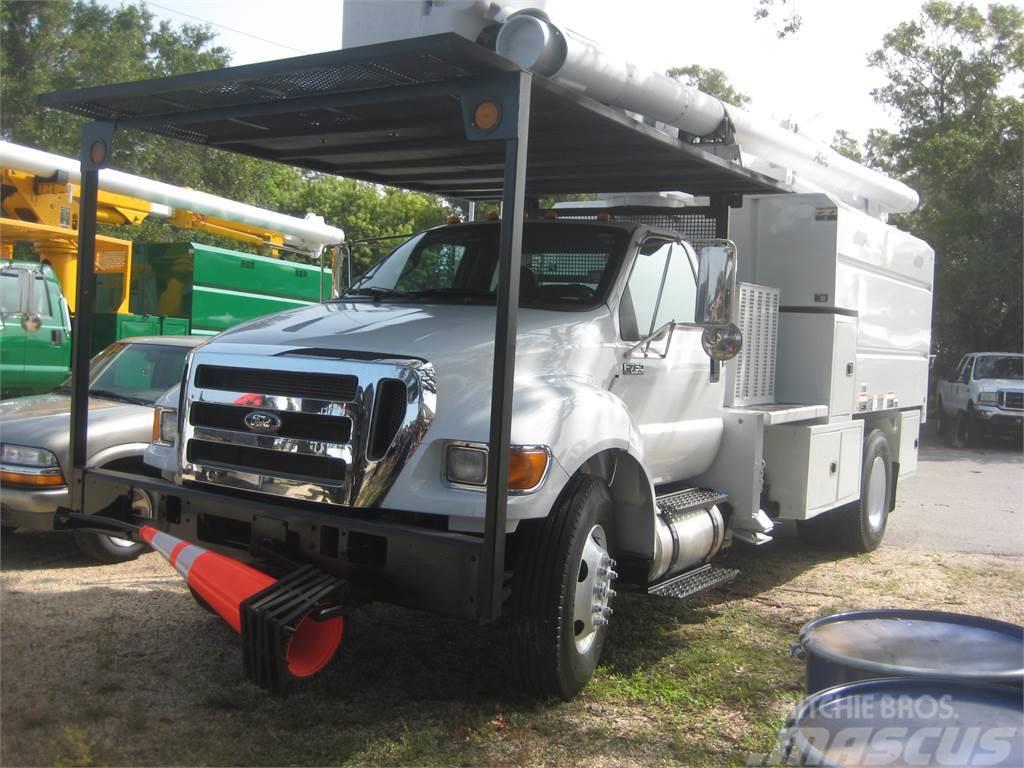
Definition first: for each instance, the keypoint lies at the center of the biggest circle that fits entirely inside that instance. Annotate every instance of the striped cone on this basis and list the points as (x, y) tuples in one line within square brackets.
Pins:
[(225, 583)]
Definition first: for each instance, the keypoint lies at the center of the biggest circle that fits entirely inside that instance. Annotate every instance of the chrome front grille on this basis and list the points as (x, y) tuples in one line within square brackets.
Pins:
[(326, 386), (332, 431), (1012, 400)]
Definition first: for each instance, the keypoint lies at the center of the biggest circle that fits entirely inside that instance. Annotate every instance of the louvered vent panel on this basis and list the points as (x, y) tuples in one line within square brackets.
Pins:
[(751, 376)]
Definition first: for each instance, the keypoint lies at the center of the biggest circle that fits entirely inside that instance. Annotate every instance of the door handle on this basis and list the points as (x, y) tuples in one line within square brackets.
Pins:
[(56, 337)]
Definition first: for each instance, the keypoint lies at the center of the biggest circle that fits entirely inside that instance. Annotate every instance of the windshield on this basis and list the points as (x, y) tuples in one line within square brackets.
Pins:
[(135, 373), (992, 367), (564, 266)]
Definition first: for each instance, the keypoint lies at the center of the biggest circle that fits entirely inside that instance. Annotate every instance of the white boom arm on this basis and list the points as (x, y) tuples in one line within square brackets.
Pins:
[(309, 234), (537, 44)]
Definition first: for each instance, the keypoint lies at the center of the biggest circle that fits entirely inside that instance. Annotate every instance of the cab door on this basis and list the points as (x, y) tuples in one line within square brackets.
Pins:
[(48, 350), (668, 386)]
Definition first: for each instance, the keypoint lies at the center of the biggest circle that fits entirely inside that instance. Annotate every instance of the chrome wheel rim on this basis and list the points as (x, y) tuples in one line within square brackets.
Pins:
[(875, 501), (593, 590), (142, 506)]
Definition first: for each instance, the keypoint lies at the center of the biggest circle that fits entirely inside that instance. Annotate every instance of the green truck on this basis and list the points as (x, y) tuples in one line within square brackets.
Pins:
[(175, 288)]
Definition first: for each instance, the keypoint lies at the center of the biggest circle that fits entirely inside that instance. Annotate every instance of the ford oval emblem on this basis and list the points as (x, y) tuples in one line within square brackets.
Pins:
[(262, 421)]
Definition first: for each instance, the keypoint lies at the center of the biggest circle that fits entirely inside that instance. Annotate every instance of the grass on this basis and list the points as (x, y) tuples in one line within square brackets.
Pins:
[(707, 682)]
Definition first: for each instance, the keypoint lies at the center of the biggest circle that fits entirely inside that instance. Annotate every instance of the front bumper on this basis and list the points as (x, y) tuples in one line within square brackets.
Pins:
[(389, 555), (32, 508), (999, 420)]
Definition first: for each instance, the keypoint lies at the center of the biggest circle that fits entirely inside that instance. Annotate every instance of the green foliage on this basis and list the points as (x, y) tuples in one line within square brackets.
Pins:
[(50, 45), (784, 12), (847, 146), (954, 75), (710, 80)]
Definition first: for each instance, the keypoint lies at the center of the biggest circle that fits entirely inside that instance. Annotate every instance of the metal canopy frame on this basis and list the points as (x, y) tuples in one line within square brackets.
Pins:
[(401, 114)]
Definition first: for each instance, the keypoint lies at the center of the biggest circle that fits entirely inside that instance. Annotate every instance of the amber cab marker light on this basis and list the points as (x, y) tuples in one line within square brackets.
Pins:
[(526, 468), (486, 116)]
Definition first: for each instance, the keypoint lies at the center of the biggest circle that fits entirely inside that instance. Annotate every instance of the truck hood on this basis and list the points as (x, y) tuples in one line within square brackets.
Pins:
[(43, 421), (450, 336), (992, 385)]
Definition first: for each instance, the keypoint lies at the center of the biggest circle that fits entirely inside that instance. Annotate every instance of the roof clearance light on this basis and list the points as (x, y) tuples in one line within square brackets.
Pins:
[(550, 214), (487, 115), (492, 216), (454, 220), (604, 216)]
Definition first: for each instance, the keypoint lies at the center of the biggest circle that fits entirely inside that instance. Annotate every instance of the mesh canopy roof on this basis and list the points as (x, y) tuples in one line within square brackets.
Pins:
[(390, 113)]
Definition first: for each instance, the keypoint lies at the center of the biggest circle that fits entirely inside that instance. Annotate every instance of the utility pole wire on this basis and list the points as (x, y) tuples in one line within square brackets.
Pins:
[(229, 29)]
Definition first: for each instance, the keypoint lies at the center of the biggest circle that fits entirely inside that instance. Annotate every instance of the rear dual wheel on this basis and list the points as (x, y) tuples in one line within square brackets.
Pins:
[(858, 527)]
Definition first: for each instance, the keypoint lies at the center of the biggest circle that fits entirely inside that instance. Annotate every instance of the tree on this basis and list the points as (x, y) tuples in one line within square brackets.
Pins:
[(847, 146), (789, 20), (59, 44), (953, 74), (710, 80)]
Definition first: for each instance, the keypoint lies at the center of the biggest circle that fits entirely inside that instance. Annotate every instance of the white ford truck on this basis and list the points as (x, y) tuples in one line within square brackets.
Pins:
[(985, 395), (649, 396), (636, 457)]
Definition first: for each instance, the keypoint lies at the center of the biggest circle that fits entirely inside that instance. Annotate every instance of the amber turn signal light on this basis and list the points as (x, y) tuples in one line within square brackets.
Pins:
[(11, 478), (526, 468)]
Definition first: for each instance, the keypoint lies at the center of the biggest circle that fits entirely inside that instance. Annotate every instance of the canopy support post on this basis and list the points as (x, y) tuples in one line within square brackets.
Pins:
[(96, 143)]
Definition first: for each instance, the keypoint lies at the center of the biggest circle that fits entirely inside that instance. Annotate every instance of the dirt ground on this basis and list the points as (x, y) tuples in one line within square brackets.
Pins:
[(117, 665)]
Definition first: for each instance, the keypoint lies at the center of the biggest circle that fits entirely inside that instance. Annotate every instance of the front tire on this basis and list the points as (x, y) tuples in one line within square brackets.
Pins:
[(112, 549), (561, 591)]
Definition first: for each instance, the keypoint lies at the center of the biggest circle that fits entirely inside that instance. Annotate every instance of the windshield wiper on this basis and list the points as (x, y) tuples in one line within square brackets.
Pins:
[(117, 396), (375, 291)]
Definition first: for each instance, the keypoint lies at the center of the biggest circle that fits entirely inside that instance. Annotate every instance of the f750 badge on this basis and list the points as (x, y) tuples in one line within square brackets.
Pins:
[(632, 369)]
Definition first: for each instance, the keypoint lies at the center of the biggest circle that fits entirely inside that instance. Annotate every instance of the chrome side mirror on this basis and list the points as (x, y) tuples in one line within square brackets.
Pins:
[(31, 322), (716, 293)]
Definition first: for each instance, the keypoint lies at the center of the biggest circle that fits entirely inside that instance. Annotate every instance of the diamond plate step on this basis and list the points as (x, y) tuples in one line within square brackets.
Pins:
[(689, 499), (693, 582)]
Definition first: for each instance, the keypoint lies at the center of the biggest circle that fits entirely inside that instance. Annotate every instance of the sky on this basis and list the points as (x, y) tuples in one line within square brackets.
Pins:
[(818, 77)]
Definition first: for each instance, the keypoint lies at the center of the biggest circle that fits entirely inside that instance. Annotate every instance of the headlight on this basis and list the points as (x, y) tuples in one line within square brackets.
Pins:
[(25, 456), (165, 425), (988, 398), (27, 466), (527, 465)]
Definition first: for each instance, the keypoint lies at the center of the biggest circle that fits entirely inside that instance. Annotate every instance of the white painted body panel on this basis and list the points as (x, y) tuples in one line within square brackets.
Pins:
[(564, 366), (825, 256)]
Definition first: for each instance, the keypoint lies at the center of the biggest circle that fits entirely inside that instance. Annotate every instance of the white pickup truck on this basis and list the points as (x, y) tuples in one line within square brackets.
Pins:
[(983, 396)]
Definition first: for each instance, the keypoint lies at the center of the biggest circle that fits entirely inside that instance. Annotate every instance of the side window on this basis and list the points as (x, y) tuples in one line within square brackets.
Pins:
[(43, 298), (965, 374), (8, 292), (679, 297), (643, 290)]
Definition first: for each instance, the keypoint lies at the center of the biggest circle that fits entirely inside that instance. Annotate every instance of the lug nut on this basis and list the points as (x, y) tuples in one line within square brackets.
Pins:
[(611, 593), (600, 621), (607, 610), (596, 608)]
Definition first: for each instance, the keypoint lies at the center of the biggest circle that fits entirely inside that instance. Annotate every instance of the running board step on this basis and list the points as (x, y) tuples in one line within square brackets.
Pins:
[(691, 583), (689, 499)]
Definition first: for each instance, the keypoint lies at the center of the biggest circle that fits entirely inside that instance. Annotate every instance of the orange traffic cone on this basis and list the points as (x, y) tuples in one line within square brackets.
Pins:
[(225, 584)]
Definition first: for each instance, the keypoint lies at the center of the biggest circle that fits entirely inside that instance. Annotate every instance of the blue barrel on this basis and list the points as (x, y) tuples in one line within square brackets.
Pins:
[(908, 721), (894, 643)]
